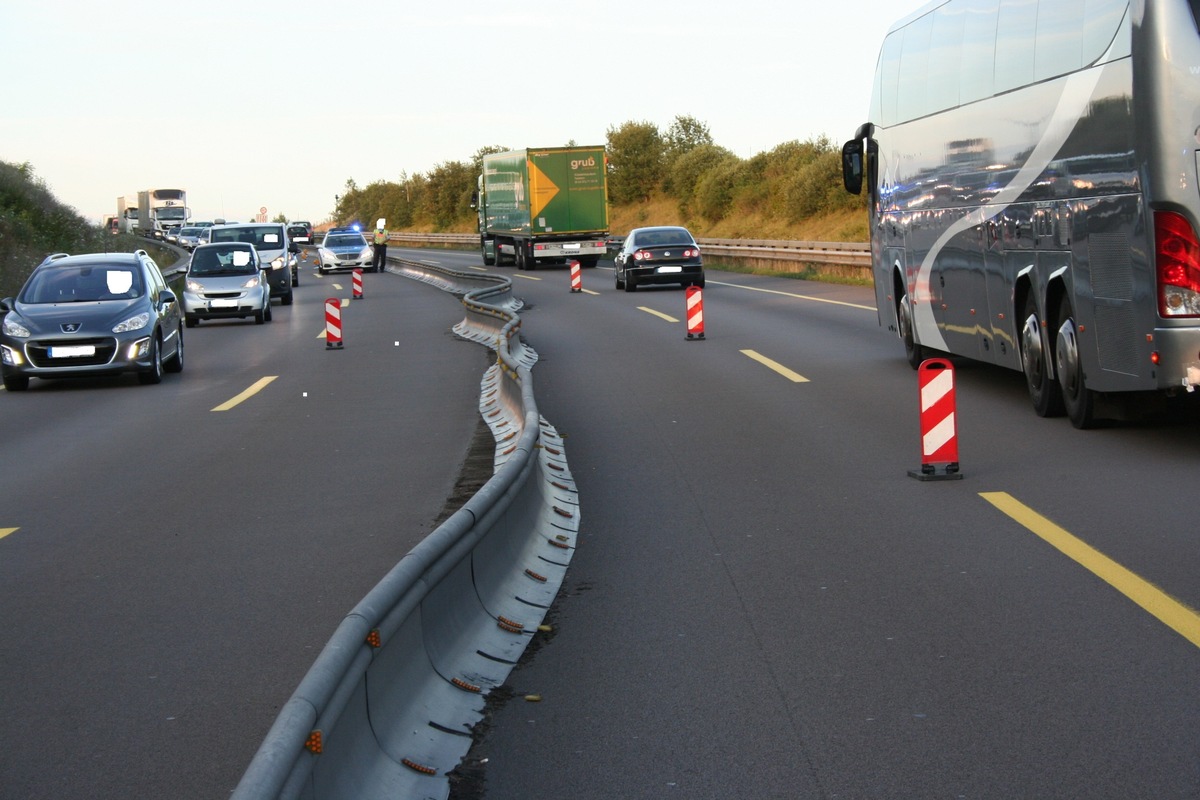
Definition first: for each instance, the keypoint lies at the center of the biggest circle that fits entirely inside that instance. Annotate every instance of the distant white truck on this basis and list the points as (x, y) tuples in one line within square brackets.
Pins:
[(127, 214), (160, 210)]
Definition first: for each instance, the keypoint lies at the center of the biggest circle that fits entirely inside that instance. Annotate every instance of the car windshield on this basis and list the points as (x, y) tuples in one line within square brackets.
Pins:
[(222, 261), (85, 283), (345, 241), (189, 231), (262, 238), (668, 237)]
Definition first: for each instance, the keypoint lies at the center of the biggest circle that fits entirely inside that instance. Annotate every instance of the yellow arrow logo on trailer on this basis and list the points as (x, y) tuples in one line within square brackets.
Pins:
[(541, 190)]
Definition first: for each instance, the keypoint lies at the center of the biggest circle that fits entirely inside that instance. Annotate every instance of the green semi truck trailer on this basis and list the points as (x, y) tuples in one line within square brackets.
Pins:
[(543, 206)]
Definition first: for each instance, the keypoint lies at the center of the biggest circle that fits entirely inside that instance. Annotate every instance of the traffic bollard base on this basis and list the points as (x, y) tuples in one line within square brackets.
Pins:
[(937, 472)]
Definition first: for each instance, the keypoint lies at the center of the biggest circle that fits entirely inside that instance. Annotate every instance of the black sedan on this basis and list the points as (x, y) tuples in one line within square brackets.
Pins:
[(665, 254), (94, 314)]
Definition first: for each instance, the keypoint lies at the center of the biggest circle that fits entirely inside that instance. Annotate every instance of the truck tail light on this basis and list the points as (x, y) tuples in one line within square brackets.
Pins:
[(1177, 265)]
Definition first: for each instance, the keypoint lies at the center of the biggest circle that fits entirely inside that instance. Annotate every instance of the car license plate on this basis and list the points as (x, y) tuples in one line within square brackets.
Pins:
[(224, 303), (73, 351), (670, 269), (571, 246)]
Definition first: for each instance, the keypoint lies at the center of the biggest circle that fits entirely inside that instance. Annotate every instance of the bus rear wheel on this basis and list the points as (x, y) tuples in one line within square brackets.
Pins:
[(1045, 393), (914, 354), (1079, 400)]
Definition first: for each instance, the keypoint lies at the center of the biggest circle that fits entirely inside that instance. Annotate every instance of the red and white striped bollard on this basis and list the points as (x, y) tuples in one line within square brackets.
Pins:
[(356, 284), (333, 324), (939, 422), (695, 312), (576, 278)]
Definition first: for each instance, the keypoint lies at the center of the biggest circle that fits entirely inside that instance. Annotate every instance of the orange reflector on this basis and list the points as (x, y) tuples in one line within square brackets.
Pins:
[(535, 576), (313, 742), (421, 768), (374, 639), (1154, 357), (466, 687)]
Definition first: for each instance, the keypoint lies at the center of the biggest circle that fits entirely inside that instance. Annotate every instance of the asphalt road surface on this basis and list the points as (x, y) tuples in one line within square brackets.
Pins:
[(175, 569), (763, 603)]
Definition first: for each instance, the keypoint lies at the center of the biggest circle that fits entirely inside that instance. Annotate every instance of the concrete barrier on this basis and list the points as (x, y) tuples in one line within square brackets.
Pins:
[(387, 709)]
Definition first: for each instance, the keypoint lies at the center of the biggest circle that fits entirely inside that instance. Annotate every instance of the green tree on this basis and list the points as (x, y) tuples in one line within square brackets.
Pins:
[(688, 168), (635, 161)]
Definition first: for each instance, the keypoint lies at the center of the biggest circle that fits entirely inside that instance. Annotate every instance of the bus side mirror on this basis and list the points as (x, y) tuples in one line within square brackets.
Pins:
[(852, 166), (474, 199)]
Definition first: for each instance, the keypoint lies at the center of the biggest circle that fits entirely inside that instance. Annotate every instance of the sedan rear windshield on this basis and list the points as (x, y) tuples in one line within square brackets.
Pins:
[(667, 238), (83, 284)]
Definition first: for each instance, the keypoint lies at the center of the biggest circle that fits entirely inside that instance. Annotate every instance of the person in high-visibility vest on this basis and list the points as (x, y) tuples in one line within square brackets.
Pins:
[(380, 245)]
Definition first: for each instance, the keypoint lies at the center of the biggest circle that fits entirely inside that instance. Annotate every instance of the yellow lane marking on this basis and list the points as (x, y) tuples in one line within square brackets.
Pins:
[(794, 377), (337, 286), (1166, 609), (526, 277), (345, 302), (479, 269), (254, 389), (797, 296), (589, 291), (659, 314), (6, 531)]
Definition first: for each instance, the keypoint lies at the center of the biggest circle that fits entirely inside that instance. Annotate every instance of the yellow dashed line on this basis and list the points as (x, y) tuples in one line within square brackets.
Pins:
[(6, 531), (658, 314), (257, 387), (794, 377), (1166, 609)]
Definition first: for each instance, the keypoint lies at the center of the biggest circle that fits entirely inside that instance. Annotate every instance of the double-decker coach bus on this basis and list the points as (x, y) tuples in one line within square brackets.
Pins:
[(1033, 193)]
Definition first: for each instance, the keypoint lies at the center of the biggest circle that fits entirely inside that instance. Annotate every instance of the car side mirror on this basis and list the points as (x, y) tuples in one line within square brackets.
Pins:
[(293, 247), (166, 297), (6, 304)]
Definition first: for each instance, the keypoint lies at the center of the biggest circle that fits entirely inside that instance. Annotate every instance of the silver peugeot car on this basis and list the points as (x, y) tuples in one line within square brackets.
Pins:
[(93, 314), (226, 280)]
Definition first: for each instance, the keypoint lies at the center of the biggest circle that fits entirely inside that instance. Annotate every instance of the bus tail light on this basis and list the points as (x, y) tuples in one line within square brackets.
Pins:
[(1177, 258)]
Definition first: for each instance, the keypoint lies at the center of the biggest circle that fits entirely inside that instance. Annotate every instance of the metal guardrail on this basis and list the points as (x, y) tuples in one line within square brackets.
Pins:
[(846, 254), (387, 709)]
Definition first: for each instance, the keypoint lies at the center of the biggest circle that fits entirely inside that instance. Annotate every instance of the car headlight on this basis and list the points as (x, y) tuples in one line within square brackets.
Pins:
[(15, 329), (367, 253), (278, 263), (195, 286), (250, 284), (134, 323)]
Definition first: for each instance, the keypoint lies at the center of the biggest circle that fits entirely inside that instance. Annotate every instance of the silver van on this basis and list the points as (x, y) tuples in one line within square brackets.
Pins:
[(275, 250)]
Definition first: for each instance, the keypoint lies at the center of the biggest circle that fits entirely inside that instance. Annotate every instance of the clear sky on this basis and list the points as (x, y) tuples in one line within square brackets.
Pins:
[(264, 103)]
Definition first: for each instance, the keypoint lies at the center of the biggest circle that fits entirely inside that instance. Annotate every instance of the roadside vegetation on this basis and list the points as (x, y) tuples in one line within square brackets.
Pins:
[(33, 224), (679, 176)]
